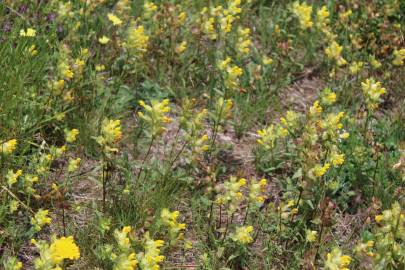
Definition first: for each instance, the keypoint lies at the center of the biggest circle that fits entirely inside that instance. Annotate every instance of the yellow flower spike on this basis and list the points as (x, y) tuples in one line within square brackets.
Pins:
[(320, 170), (70, 135), (73, 164), (8, 147), (370, 243), (149, 9), (40, 219), (303, 12), (399, 57), (243, 235), (155, 116), (180, 48), (372, 92), (334, 51), (114, 19), (322, 16), (137, 41), (103, 40), (100, 68), (29, 32), (126, 229), (244, 42), (336, 261), (356, 67), (315, 109), (209, 29), (311, 236), (12, 177), (267, 60)]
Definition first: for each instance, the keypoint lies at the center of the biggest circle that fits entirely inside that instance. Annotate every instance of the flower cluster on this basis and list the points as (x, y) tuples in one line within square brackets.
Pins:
[(150, 258), (126, 259), (372, 92), (244, 42), (51, 256), (336, 261), (243, 235), (303, 12), (169, 219), (137, 41), (155, 116), (40, 219), (257, 190), (232, 194), (399, 57), (110, 135), (334, 52), (388, 237), (8, 147), (231, 73)]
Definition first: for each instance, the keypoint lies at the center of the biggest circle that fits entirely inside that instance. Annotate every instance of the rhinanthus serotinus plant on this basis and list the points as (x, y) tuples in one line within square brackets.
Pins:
[(223, 134)]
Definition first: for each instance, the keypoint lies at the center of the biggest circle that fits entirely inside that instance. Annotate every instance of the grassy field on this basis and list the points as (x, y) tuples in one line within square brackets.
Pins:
[(233, 134)]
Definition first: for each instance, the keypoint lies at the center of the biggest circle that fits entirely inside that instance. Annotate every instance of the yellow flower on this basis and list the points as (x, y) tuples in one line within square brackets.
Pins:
[(11, 263), (137, 40), (374, 62), (231, 73), (32, 50), (12, 177), (243, 235), (180, 48), (40, 219), (149, 8), (114, 19), (100, 68), (155, 115), (370, 243), (356, 67), (303, 12), (125, 262), (334, 51), (29, 32), (269, 135), (315, 109), (372, 91), (267, 60), (345, 15), (71, 135), (311, 236), (181, 18), (256, 192), (104, 40), (399, 57), (379, 218), (244, 42), (336, 261), (328, 97), (209, 29), (151, 258), (170, 219), (64, 248), (73, 164), (322, 16), (110, 134), (337, 159), (8, 147), (319, 170)]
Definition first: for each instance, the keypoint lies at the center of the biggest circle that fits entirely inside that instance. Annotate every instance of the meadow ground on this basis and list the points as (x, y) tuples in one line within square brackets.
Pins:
[(219, 134)]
